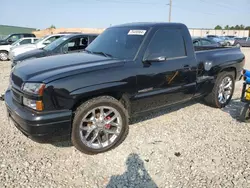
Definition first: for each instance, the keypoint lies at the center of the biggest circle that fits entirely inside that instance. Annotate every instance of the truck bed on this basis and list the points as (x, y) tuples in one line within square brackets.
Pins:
[(221, 56)]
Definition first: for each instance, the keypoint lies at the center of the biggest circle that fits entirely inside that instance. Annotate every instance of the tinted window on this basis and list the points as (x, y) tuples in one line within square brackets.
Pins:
[(25, 41), (15, 37), (28, 35), (205, 42), (120, 42), (79, 43), (167, 43), (91, 38), (51, 39)]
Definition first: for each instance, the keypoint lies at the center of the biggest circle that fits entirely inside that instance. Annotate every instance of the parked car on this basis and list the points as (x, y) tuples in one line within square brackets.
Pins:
[(5, 47), (65, 44), (22, 41), (199, 41), (242, 42), (218, 40), (41, 43), (14, 37), (126, 70), (229, 41)]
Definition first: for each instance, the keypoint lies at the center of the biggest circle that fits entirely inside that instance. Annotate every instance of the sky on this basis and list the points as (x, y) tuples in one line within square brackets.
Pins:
[(104, 13)]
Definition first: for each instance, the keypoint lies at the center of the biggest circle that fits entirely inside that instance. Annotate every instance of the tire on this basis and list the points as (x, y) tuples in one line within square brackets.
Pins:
[(212, 98), (238, 45), (3, 55), (90, 107), (228, 44), (245, 114)]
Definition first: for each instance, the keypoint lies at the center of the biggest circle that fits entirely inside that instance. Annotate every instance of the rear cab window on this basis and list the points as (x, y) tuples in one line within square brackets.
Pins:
[(167, 43)]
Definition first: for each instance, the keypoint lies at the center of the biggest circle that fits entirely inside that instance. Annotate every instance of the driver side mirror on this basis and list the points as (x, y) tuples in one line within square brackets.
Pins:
[(9, 40), (47, 42)]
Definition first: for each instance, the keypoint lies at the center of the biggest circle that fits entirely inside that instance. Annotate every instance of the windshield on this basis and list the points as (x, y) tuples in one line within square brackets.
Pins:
[(120, 42), (14, 44), (5, 38), (39, 40), (55, 43)]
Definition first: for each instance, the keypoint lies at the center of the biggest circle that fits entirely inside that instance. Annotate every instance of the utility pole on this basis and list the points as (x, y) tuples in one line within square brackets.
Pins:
[(170, 10)]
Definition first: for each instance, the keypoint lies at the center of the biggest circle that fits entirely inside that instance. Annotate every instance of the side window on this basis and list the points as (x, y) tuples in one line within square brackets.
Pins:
[(205, 42), (27, 35), (50, 40), (91, 38), (14, 38), (69, 46), (168, 43), (25, 41)]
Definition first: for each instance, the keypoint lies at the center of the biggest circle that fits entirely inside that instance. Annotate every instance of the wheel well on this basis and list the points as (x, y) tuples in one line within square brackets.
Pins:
[(4, 51), (123, 98), (230, 69)]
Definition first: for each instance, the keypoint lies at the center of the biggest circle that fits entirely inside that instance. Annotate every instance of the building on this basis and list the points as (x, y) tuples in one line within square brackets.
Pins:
[(205, 32), (6, 30)]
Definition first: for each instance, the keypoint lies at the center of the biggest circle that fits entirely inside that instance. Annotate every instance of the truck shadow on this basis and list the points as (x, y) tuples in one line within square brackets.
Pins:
[(136, 175), (161, 111), (234, 108), (139, 118)]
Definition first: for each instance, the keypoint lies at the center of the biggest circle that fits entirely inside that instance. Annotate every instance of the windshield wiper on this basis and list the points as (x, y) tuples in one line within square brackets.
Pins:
[(102, 53)]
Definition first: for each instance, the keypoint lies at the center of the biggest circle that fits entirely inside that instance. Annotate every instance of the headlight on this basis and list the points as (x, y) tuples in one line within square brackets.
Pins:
[(34, 88), (34, 104)]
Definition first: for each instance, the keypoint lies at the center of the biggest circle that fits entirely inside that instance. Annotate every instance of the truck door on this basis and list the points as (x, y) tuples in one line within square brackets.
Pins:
[(171, 78)]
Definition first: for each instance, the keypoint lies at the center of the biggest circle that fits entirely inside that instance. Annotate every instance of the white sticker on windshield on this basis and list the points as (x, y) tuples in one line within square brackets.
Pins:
[(137, 32)]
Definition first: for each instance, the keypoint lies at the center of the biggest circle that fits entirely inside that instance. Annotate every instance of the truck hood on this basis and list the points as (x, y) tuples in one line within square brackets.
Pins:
[(51, 68), (30, 54), (25, 46)]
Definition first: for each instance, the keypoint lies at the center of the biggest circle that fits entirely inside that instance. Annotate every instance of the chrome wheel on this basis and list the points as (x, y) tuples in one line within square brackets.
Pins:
[(3, 56), (238, 45), (225, 90), (100, 127)]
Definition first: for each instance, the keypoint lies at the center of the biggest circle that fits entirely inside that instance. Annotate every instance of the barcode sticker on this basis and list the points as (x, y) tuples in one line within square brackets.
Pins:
[(137, 32)]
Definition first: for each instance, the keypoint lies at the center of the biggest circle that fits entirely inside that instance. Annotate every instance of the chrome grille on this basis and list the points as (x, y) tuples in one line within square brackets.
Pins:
[(16, 80), (16, 96)]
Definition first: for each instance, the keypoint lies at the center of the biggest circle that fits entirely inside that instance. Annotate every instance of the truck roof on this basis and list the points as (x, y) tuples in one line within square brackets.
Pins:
[(149, 24)]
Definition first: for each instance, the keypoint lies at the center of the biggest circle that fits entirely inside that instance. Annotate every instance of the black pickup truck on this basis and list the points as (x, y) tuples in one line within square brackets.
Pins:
[(128, 69)]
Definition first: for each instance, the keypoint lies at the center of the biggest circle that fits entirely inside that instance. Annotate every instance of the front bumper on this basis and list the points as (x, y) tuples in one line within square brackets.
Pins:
[(41, 127)]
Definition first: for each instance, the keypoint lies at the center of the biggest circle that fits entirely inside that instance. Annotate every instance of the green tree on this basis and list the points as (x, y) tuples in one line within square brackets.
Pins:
[(52, 27), (232, 27), (218, 27), (237, 27), (227, 27), (247, 28), (242, 27)]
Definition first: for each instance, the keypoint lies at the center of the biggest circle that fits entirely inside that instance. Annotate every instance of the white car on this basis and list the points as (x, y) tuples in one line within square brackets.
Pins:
[(5, 49), (41, 43)]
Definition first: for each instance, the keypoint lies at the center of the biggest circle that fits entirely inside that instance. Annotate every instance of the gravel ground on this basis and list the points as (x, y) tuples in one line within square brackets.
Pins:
[(192, 146)]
